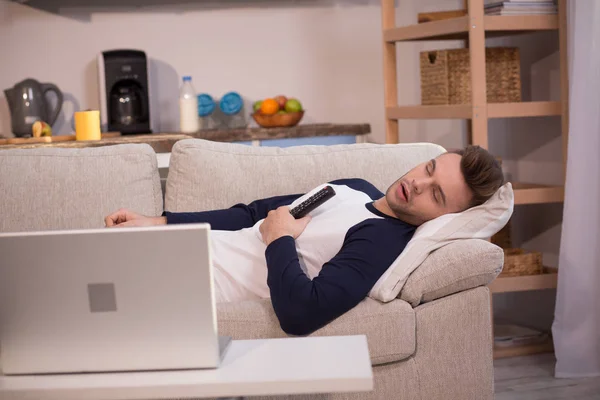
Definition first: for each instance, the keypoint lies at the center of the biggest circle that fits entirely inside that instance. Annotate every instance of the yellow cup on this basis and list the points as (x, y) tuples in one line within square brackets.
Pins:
[(87, 125)]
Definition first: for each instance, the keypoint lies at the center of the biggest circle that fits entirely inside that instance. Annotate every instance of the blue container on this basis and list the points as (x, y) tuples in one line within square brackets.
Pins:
[(206, 108), (206, 105), (232, 107)]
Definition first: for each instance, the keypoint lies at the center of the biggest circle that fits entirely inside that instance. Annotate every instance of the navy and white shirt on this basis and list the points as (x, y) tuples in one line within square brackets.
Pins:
[(317, 277)]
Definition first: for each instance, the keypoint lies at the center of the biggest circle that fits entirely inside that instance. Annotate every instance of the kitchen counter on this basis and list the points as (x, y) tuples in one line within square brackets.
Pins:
[(163, 142)]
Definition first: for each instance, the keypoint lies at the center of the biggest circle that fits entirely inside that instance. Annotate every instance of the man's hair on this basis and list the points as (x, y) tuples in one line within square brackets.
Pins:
[(481, 171)]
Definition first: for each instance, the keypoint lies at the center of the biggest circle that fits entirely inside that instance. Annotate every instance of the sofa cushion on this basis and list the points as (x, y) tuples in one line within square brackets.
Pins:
[(58, 188), (458, 266), (389, 327), (205, 175)]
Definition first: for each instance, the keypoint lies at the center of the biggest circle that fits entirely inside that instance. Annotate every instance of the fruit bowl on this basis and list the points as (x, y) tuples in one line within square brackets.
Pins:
[(279, 120)]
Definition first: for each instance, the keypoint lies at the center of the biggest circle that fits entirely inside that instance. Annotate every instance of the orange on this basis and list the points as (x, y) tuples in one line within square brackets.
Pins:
[(269, 106)]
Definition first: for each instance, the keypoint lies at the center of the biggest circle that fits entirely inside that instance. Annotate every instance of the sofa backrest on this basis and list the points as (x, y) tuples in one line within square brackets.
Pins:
[(58, 188), (206, 175)]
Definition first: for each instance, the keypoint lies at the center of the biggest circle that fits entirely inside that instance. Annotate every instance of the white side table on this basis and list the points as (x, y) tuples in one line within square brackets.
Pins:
[(249, 368)]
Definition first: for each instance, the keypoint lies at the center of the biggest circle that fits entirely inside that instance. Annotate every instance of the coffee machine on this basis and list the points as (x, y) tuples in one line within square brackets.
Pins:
[(124, 91)]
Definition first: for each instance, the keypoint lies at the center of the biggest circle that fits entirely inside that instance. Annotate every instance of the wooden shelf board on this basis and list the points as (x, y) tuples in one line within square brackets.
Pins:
[(459, 111), (524, 109), (458, 28), (440, 15), (523, 283), (464, 111), (531, 193), (516, 351), (453, 28), (521, 23)]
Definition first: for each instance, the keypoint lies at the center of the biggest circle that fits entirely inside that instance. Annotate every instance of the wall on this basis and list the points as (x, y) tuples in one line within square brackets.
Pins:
[(325, 52)]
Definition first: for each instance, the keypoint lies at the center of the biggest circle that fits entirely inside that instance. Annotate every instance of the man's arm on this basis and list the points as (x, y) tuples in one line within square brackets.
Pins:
[(303, 305), (231, 219), (244, 216), (237, 217)]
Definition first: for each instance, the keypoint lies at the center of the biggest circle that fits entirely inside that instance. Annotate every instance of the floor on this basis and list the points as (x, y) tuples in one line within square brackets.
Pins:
[(532, 378)]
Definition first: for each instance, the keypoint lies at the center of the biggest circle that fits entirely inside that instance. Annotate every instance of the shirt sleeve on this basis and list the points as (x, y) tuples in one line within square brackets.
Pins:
[(303, 305), (237, 217), (242, 216)]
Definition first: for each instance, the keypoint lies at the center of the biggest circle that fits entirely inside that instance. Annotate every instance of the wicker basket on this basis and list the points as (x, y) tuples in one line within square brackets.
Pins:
[(446, 76), (519, 262)]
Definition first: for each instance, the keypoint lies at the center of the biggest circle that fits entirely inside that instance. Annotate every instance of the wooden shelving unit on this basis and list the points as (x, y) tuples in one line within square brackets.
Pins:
[(474, 28)]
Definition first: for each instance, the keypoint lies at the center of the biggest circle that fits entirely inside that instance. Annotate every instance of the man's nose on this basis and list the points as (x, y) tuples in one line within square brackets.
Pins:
[(420, 184)]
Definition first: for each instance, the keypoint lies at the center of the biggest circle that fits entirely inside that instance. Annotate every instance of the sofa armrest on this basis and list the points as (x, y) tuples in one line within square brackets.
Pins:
[(458, 266), (389, 327)]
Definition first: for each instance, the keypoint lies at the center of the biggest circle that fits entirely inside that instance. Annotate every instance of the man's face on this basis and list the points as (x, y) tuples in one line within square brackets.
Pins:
[(431, 189)]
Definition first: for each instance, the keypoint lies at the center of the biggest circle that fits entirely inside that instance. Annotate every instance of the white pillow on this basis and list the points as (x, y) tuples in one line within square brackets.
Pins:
[(479, 222)]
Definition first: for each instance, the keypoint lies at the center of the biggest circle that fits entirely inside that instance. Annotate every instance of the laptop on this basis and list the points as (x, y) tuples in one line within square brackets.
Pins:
[(118, 299)]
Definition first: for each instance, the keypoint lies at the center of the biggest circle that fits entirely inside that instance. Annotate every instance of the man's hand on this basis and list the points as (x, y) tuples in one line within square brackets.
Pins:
[(126, 218), (281, 223)]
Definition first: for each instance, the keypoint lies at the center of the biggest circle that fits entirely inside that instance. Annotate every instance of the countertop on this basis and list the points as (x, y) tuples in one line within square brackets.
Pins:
[(163, 142)]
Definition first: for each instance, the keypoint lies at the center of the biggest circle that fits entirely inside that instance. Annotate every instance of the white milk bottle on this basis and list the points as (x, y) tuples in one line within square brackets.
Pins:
[(188, 107)]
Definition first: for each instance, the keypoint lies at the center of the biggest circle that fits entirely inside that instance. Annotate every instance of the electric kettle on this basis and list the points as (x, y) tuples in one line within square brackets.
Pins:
[(28, 103)]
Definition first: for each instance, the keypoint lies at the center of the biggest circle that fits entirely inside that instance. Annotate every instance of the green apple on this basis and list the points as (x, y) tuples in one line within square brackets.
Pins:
[(256, 105), (293, 105)]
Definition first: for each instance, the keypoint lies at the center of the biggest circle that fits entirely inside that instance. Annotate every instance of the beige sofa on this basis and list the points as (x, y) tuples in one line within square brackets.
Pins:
[(433, 342)]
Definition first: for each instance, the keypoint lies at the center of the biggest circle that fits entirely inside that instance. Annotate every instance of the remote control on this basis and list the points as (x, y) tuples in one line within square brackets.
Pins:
[(312, 202)]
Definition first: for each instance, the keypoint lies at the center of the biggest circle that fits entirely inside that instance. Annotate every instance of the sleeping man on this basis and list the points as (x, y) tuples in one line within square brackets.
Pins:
[(316, 268)]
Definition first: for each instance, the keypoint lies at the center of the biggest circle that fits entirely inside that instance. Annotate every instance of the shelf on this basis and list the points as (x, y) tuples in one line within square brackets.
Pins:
[(520, 23), (458, 28), (459, 111), (453, 28), (464, 111), (515, 351), (524, 109), (164, 142), (473, 30), (524, 283), (531, 193)]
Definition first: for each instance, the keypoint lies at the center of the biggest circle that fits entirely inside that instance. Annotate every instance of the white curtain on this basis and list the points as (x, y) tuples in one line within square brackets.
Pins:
[(576, 327)]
